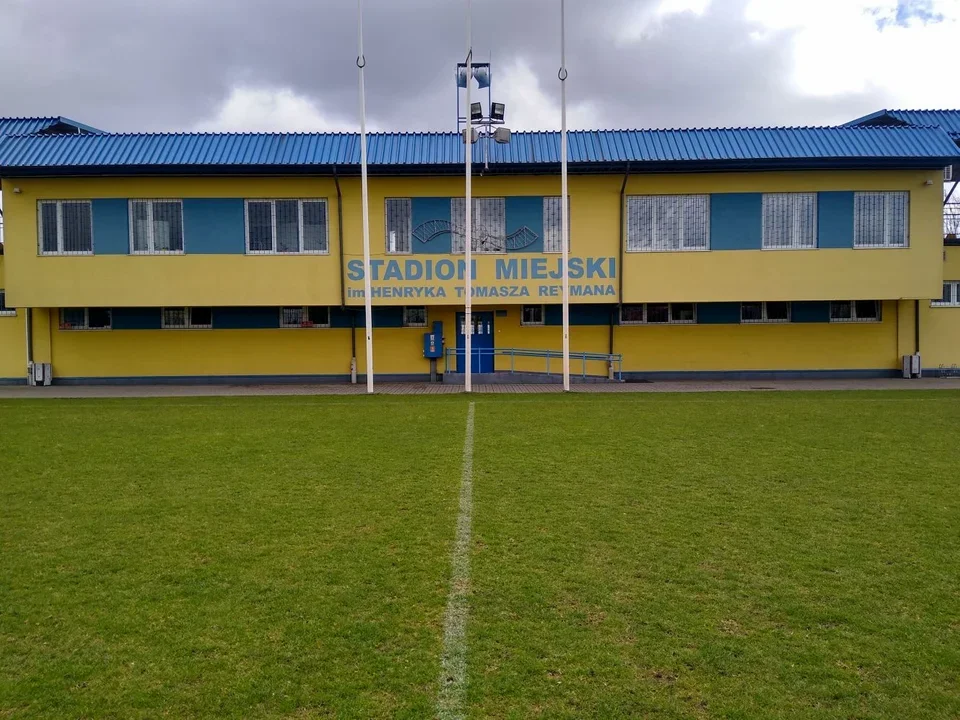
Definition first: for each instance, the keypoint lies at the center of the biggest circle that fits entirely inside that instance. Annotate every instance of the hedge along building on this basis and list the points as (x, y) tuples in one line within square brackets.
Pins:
[(797, 251)]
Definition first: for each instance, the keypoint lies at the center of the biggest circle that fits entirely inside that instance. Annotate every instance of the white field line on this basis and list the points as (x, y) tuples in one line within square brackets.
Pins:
[(453, 663)]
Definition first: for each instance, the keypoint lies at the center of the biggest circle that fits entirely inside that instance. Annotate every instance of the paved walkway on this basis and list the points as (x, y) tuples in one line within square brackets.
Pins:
[(114, 391)]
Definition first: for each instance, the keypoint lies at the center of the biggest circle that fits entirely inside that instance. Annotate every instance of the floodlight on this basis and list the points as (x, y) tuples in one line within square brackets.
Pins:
[(497, 111), (502, 135), (476, 111)]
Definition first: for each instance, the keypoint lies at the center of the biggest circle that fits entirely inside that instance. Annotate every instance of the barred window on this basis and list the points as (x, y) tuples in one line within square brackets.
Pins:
[(789, 220), (4, 310), (156, 226), (489, 224), (765, 312), (881, 219), (398, 213), (951, 295), (305, 317), (658, 223), (553, 225), (65, 227), (287, 226), (855, 311), (187, 318), (415, 316), (85, 319), (531, 315), (658, 314)]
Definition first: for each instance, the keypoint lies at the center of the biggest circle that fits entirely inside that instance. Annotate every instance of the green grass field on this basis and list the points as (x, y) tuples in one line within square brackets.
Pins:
[(763, 555)]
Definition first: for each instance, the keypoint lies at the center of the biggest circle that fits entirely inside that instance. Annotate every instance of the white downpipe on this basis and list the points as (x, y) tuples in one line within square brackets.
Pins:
[(367, 299), (468, 231), (564, 214)]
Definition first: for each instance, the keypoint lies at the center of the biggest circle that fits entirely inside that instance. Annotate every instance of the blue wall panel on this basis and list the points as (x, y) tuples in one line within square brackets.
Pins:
[(835, 219), (424, 210), (579, 314), (720, 313), (111, 231), (385, 317), (525, 212), (810, 312), (135, 318), (736, 221), (244, 318), (213, 226)]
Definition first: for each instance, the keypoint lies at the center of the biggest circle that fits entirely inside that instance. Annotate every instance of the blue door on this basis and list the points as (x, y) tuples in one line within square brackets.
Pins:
[(482, 342)]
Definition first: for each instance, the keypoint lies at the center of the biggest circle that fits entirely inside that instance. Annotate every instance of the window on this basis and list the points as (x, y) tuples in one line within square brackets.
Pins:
[(489, 223), (553, 225), (789, 221), (85, 319), (951, 295), (286, 226), (156, 226), (658, 314), (305, 317), (658, 223), (4, 310), (399, 218), (415, 316), (191, 317), (65, 227), (855, 311), (531, 315), (880, 219), (765, 312)]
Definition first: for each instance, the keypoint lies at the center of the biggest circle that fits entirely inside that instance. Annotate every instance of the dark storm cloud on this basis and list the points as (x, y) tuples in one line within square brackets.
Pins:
[(168, 64)]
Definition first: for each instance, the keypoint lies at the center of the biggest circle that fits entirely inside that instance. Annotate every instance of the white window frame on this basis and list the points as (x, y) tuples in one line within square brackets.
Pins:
[(151, 229), (60, 251), (655, 243), (273, 226), (188, 317), (305, 310), (853, 312), (86, 321), (954, 292), (6, 311), (764, 315), (670, 321), (887, 195), (555, 199), (792, 219), (543, 316), (386, 226)]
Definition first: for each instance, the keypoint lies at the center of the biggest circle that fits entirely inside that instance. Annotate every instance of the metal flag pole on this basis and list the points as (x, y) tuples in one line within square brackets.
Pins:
[(564, 210), (468, 231), (367, 299)]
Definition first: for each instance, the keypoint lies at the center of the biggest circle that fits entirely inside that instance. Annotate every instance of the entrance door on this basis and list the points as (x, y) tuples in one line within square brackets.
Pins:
[(482, 342)]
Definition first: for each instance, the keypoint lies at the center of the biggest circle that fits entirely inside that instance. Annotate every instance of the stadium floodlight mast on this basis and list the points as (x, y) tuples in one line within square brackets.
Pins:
[(564, 210), (468, 221), (367, 299)]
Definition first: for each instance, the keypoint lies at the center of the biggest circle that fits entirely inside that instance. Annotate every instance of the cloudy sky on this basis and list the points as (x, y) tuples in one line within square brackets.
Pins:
[(158, 65)]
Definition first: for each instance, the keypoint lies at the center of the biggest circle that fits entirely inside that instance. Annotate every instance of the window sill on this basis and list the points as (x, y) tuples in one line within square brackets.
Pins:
[(678, 250), (780, 249), (932, 304), (84, 329), (259, 253), (855, 321), (533, 324), (304, 327), (157, 252), (881, 247), (766, 322), (8, 313), (79, 253)]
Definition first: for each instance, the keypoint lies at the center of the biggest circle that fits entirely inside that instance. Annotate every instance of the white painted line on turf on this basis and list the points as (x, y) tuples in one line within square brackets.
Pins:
[(453, 664)]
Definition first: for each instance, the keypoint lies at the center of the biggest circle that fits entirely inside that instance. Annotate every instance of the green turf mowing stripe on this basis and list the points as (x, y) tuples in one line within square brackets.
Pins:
[(453, 671)]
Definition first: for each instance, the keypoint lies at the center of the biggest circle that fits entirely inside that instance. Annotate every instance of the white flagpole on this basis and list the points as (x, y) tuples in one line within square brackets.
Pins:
[(564, 214), (468, 231), (367, 299)]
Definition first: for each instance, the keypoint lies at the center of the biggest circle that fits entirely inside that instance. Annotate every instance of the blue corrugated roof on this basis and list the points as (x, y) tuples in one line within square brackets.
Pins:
[(29, 126), (949, 120), (405, 152)]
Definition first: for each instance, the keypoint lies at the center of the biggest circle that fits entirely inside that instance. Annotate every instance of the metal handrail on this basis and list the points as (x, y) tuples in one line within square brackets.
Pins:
[(513, 353)]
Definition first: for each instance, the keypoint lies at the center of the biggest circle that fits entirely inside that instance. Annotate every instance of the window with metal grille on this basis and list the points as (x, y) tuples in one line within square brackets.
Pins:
[(398, 213), (415, 316), (489, 223), (156, 227), (305, 317), (287, 226), (881, 219), (85, 319), (789, 221), (531, 315), (951, 295), (765, 312), (855, 311), (187, 318), (658, 314), (4, 310), (65, 227), (662, 223), (553, 225)]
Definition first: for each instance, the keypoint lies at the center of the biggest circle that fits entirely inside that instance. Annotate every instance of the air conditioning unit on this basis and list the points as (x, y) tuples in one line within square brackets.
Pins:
[(39, 374), (948, 173), (911, 366)]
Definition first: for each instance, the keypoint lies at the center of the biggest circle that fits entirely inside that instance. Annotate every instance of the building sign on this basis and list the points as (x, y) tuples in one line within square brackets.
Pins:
[(499, 279)]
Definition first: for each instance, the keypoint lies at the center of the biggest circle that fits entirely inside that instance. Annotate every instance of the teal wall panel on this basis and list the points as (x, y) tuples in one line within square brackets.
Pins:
[(111, 229), (835, 219), (524, 212), (213, 226), (736, 221), (424, 210)]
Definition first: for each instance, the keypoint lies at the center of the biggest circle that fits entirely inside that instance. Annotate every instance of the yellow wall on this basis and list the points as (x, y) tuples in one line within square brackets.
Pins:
[(940, 326), (13, 358)]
